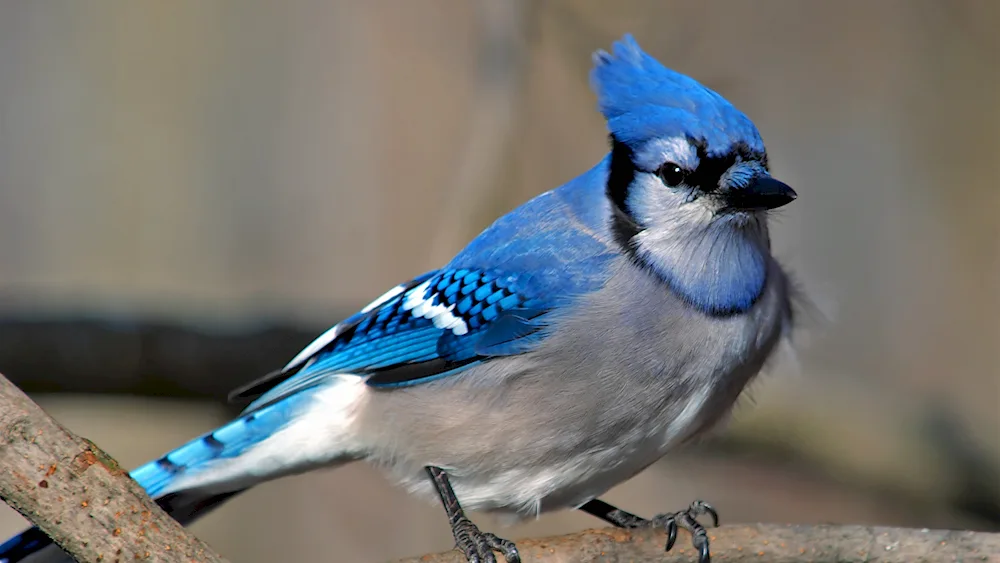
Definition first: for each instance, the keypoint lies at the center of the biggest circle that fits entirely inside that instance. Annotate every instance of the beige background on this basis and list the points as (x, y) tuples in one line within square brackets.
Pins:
[(229, 160)]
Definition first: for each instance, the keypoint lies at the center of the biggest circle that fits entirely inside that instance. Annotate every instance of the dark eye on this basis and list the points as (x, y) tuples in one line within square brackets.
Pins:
[(671, 174)]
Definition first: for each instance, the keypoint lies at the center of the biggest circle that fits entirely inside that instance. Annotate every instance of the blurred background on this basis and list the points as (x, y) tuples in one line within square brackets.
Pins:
[(191, 191)]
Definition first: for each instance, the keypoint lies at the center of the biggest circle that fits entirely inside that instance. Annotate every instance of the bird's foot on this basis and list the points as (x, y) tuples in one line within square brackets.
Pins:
[(478, 546), (688, 519)]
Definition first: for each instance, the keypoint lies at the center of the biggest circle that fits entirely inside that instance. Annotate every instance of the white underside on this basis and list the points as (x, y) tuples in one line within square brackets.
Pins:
[(528, 491), (319, 436), (322, 435)]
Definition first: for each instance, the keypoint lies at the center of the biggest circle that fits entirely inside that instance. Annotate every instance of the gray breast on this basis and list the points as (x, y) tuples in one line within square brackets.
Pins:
[(643, 357), (631, 372)]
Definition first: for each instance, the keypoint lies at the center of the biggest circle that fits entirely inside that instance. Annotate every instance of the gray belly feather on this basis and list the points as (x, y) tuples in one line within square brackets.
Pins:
[(631, 373)]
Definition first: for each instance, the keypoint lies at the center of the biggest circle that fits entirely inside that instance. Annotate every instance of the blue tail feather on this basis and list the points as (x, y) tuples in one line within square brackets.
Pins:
[(227, 441), (23, 545), (159, 476)]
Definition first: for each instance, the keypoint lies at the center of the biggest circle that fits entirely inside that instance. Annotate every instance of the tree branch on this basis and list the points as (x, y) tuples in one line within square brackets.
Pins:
[(79, 496), (758, 543)]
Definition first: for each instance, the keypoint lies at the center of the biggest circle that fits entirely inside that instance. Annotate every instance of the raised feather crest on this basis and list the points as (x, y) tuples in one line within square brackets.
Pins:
[(642, 99)]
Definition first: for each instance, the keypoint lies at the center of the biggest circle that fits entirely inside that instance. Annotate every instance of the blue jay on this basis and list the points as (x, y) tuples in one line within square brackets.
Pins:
[(573, 343)]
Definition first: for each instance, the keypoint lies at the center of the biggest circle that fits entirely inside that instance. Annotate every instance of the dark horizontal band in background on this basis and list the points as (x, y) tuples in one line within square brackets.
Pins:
[(143, 356)]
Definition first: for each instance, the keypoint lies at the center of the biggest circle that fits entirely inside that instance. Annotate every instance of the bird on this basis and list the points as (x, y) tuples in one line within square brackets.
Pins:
[(570, 345)]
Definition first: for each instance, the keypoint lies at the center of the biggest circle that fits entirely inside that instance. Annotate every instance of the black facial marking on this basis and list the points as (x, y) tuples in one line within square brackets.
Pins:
[(621, 174), (705, 179), (711, 168), (624, 229), (620, 177)]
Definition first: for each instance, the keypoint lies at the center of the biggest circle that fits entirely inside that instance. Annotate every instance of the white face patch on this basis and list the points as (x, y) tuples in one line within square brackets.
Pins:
[(659, 151), (420, 304), (666, 211)]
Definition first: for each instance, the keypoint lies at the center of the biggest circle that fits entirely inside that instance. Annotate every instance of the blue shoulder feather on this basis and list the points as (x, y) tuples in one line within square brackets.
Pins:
[(436, 325), (495, 298)]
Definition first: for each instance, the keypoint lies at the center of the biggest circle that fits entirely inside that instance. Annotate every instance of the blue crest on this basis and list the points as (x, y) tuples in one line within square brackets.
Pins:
[(642, 100)]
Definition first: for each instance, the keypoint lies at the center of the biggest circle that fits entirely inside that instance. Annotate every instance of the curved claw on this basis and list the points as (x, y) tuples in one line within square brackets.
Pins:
[(478, 547), (474, 556), (671, 526), (688, 519), (706, 508), (703, 555), (507, 547)]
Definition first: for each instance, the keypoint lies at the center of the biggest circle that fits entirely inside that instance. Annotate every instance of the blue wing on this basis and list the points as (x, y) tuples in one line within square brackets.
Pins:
[(494, 299), (452, 318), (435, 325)]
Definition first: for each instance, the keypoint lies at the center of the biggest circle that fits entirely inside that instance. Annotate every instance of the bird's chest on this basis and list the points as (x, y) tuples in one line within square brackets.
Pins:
[(679, 371)]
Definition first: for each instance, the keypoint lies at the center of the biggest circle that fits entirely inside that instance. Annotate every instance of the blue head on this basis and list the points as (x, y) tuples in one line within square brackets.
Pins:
[(688, 181)]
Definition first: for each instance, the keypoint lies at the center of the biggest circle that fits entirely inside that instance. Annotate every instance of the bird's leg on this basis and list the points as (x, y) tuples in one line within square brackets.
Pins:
[(687, 519), (613, 515), (478, 546)]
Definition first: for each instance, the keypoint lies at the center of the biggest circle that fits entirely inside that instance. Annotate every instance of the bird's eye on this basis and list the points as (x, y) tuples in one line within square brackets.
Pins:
[(671, 174)]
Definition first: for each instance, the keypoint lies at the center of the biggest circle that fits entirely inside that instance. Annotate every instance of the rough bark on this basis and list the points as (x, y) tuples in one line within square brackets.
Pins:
[(770, 543), (79, 496)]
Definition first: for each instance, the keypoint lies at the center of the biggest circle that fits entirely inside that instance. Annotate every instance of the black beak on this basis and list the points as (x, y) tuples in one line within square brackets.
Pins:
[(763, 193)]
